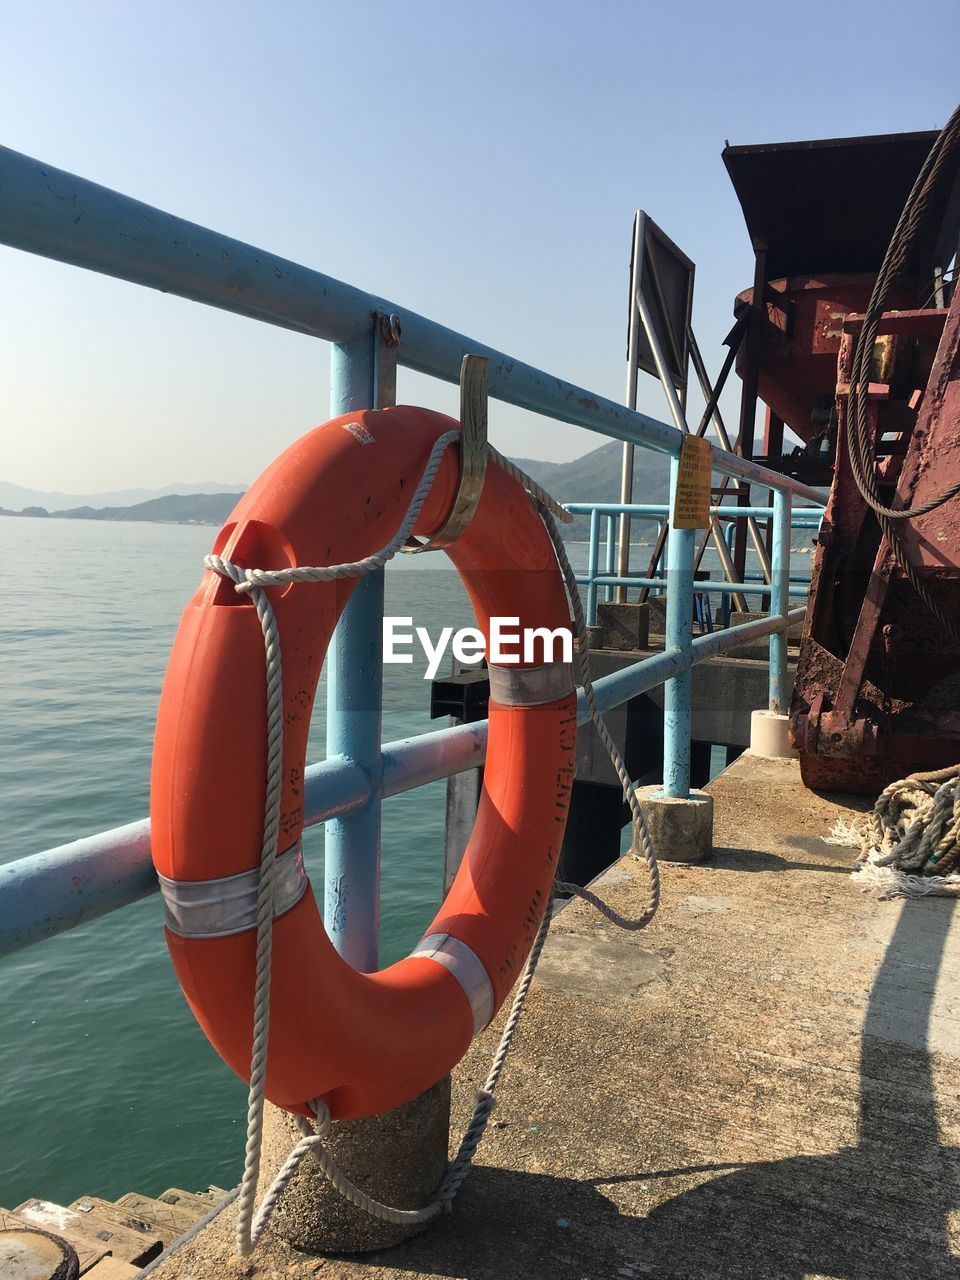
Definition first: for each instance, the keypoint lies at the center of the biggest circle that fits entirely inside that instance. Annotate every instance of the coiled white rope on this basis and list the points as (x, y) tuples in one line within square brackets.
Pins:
[(910, 841), (254, 582)]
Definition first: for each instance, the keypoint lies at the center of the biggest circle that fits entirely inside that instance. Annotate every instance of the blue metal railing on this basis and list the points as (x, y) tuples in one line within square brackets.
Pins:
[(607, 579), (46, 211)]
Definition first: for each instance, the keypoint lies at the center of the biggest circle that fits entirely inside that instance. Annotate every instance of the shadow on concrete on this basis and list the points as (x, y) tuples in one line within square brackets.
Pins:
[(875, 1210), (736, 859), (871, 1212)]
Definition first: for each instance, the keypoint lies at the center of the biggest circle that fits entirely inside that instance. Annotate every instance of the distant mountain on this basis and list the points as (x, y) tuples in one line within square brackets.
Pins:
[(174, 508), (595, 477), (15, 497)]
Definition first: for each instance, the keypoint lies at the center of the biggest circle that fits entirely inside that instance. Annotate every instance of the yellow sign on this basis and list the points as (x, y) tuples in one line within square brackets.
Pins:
[(691, 503)]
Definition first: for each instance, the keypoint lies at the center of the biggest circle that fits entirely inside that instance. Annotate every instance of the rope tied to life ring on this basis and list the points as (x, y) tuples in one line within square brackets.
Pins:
[(254, 584)]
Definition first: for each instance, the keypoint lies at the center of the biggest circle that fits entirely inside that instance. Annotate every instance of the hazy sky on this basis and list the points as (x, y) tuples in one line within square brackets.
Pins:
[(479, 163)]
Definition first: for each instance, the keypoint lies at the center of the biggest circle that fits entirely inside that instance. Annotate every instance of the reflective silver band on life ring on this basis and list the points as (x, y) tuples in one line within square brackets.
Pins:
[(467, 967), (217, 908), (530, 686)]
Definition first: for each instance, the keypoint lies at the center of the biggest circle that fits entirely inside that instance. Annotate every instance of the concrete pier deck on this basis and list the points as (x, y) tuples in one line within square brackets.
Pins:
[(764, 1084)]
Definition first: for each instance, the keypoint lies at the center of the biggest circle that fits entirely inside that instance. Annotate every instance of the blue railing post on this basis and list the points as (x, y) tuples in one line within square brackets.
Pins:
[(351, 904), (676, 694), (779, 598), (611, 550), (593, 567)]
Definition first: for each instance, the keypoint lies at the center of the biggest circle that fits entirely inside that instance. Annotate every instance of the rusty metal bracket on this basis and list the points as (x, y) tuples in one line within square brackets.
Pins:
[(473, 455), (386, 340), (858, 653), (825, 733)]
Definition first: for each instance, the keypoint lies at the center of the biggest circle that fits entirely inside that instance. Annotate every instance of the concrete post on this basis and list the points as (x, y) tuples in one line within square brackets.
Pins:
[(681, 830), (770, 736), (399, 1158)]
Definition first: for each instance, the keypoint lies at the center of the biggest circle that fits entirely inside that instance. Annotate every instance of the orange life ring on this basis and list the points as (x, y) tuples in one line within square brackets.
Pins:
[(365, 1042)]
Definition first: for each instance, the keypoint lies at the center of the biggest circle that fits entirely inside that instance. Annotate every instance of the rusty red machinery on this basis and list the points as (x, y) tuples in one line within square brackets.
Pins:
[(877, 691)]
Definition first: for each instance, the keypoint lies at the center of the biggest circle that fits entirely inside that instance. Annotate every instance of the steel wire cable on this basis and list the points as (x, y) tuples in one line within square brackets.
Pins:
[(858, 431)]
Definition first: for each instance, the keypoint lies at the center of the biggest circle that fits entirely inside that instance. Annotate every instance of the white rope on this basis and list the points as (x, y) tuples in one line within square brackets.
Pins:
[(313, 1139), (888, 882), (248, 580), (641, 832), (544, 500), (254, 582), (910, 841)]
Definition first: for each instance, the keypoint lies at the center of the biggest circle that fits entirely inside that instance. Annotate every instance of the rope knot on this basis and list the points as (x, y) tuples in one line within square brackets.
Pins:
[(226, 569)]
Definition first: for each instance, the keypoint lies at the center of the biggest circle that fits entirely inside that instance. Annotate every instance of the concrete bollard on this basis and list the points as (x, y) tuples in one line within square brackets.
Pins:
[(769, 736), (623, 626), (399, 1158), (681, 830)]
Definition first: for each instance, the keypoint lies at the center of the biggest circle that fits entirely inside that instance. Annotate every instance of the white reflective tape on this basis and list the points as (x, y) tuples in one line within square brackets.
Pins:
[(530, 686), (216, 908), (467, 967)]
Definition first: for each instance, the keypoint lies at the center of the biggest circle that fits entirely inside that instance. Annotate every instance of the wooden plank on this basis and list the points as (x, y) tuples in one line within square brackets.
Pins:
[(198, 1202), (121, 1241), (169, 1220), (89, 1252), (112, 1269)]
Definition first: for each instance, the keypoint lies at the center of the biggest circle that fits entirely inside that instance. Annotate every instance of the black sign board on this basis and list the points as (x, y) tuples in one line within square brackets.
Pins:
[(665, 278)]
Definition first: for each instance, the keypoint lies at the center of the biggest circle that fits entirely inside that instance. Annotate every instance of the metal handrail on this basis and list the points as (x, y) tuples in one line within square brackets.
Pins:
[(46, 211), (663, 509), (596, 578), (48, 893)]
